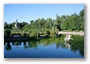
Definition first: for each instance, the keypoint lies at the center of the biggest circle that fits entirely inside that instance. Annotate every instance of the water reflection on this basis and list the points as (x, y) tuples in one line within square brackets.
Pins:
[(8, 46), (68, 45), (74, 46)]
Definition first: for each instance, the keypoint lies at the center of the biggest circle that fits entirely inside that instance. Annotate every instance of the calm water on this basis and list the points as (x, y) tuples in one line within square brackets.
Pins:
[(45, 48)]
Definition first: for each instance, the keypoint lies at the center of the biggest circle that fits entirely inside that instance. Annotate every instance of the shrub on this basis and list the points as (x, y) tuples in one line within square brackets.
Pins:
[(48, 33), (7, 33)]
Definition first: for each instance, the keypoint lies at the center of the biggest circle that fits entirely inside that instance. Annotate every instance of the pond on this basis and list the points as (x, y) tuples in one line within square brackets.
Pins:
[(45, 48)]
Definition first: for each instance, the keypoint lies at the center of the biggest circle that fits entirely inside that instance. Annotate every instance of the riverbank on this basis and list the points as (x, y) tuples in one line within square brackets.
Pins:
[(42, 36), (73, 33)]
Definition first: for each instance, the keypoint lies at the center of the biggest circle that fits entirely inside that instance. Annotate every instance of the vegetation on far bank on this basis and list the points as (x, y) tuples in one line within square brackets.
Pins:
[(73, 22)]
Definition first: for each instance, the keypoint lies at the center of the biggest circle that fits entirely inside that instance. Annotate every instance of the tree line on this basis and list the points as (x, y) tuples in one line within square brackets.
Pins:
[(65, 22), (73, 22)]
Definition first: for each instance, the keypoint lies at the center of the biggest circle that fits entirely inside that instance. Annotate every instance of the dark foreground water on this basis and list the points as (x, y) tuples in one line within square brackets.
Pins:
[(45, 48)]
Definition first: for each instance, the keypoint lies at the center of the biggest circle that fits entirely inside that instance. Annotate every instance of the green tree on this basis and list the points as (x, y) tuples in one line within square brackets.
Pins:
[(81, 13), (58, 22)]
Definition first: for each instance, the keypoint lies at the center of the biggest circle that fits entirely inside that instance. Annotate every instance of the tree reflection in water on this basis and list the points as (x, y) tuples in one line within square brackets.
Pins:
[(8, 46), (76, 45)]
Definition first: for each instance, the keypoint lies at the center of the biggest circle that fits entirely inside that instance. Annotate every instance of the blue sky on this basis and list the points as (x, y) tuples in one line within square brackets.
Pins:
[(27, 12)]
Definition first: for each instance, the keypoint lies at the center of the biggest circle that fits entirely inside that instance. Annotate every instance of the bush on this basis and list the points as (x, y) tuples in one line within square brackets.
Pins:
[(48, 33), (7, 33), (34, 34), (52, 33)]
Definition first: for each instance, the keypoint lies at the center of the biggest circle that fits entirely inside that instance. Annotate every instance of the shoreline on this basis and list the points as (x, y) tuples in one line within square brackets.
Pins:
[(73, 33)]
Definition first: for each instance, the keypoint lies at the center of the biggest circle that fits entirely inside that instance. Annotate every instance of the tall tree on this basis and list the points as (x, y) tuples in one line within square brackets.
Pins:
[(81, 13), (58, 22)]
